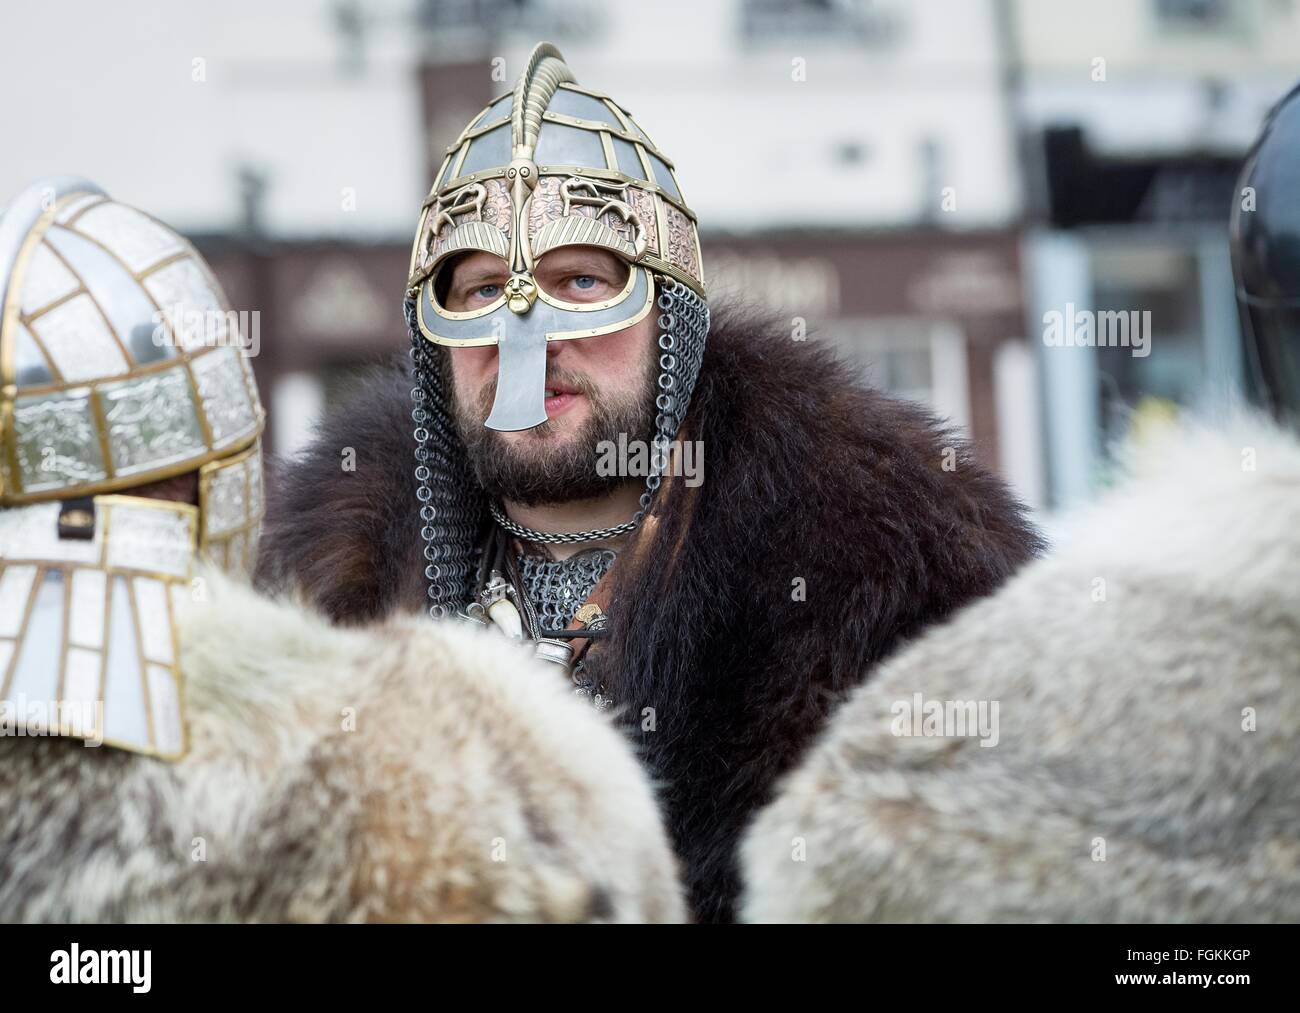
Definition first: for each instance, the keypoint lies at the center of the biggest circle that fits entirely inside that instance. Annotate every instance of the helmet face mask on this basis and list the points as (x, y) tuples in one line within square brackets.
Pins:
[(522, 338), (545, 282)]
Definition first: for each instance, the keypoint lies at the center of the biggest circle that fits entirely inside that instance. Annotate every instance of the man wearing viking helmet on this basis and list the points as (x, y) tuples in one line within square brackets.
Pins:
[(255, 764), (556, 306)]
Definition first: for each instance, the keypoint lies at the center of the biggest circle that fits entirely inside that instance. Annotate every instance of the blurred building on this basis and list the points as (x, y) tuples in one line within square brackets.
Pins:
[(920, 182), (855, 172), (1133, 118), (853, 166)]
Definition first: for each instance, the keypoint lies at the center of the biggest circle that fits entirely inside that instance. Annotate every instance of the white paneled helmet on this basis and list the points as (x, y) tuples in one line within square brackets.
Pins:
[(121, 365)]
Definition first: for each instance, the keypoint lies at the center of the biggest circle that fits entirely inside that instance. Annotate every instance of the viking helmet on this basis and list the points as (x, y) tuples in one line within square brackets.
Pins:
[(1265, 231), (108, 385), (547, 165)]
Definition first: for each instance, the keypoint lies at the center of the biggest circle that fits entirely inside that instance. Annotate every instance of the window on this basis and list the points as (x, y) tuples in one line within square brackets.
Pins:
[(1195, 14), (1155, 289), (910, 357), (863, 21)]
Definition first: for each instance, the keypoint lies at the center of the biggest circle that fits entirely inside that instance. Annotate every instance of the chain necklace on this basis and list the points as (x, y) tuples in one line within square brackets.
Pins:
[(564, 538)]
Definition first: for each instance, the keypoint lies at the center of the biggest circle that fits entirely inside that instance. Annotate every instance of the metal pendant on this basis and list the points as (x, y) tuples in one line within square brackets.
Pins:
[(495, 600)]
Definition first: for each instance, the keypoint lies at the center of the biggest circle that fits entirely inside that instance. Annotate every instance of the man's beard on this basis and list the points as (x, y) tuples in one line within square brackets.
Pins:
[(540, 470)]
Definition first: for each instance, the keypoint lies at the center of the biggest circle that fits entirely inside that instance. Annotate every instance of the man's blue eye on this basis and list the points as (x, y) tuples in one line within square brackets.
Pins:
[(488, 291), (584, 281)]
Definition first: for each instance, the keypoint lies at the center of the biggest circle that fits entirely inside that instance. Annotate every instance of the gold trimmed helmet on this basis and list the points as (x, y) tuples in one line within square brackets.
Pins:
[(548, 165), (121, 365)]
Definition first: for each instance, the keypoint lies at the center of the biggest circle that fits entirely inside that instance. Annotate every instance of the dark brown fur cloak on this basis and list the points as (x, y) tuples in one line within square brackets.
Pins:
[(810, 480)]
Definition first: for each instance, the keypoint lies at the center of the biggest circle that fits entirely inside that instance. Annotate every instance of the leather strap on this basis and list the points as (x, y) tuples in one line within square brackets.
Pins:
[(596, 605)]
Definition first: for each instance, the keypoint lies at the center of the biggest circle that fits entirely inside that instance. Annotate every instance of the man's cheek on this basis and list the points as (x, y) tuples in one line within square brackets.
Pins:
[(469, 366), (468, 386)]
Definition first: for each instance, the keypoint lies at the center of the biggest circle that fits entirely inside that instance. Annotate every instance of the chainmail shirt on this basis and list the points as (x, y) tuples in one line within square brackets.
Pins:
[(558, 589)]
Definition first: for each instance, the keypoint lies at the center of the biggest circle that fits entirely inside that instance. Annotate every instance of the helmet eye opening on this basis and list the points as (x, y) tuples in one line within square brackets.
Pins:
[(478, 270)]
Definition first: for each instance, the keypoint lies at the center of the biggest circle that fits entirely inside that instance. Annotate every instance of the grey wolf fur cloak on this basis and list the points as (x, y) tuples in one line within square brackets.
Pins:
[(1147, 765), (832, 523), (404, 773)]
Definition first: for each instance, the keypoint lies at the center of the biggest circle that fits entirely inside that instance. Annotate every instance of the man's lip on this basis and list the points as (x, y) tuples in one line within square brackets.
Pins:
[(558, 390)]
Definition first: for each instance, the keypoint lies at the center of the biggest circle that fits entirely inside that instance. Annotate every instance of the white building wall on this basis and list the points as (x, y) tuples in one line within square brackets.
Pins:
[(111, 94), (756, 148), (1165, 88), (109, 91)]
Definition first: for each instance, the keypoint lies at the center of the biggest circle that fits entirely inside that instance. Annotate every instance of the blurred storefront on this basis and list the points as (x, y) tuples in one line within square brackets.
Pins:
[(865, 185), (325, 309), (1133, 119), (934, 316)]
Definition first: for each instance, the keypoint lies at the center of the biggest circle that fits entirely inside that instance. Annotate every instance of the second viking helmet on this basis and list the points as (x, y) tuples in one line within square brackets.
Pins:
[(106, 386), (1265, 238), (549, 165)]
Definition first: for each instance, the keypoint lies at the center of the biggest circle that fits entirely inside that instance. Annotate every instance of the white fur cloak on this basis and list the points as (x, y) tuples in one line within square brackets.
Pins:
[(407, 772), (1147, 758)]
